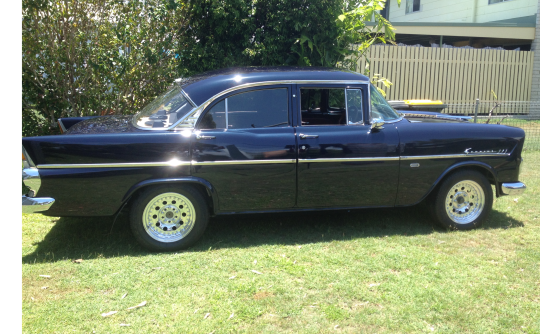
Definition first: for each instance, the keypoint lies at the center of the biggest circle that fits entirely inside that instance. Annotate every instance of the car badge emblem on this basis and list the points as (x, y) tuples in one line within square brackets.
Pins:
[(501, 151)]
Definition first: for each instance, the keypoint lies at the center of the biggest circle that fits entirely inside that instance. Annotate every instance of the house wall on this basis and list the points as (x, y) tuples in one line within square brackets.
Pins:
[(535, 88), (462, 11)]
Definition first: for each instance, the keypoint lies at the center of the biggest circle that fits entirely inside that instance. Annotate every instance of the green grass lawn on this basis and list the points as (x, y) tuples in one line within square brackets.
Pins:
[(364, 271)]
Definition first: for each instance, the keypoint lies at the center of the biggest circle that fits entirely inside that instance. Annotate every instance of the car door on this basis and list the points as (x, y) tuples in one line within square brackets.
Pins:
[(244, 146), (342, 162)]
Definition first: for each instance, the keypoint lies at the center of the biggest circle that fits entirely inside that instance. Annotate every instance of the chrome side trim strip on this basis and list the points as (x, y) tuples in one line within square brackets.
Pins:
[(243, 162), (172, 163), (454, 156), (175, 163), (349, 159)]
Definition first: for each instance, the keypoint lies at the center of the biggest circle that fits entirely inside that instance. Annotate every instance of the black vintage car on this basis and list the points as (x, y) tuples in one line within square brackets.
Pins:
[(248, 140)]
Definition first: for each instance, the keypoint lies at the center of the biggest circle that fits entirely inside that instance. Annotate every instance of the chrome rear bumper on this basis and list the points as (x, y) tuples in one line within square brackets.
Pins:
[(513, 188), (31, 204), (36, 204)]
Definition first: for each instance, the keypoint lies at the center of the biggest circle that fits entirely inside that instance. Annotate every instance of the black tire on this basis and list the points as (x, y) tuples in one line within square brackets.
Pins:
[(176, 217), (463, 200)]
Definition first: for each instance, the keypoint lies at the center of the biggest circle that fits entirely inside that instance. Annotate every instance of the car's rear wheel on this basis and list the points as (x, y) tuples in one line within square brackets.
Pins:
[(463, 200), (168, 218)]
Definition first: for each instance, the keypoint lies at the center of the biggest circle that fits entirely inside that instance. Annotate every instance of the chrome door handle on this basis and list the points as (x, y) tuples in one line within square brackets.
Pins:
[(206, 137), (303, 136)]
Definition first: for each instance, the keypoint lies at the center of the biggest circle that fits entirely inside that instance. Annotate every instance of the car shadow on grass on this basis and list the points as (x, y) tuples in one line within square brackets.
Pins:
[(88, 238)]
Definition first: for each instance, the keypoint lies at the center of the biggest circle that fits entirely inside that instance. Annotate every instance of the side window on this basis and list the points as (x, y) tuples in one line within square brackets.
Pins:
[(330, 106), (354, 106), (254, 109), (322, 106), (215, 117), (380, 108)]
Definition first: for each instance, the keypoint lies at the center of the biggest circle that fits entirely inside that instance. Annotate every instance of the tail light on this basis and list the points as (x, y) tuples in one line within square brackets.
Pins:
[(26, 160)]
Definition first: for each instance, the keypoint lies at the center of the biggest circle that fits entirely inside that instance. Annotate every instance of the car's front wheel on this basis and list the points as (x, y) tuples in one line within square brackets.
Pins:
[(463, 200), (169, 218)]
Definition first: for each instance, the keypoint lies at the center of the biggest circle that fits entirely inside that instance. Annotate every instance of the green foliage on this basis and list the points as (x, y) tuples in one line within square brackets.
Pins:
[(349, 37), (240, 32), (96, 57), (273, 32), (376, 79)]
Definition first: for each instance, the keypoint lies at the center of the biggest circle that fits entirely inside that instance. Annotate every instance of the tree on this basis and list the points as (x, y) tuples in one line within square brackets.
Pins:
[(275, 32), (95, 57)]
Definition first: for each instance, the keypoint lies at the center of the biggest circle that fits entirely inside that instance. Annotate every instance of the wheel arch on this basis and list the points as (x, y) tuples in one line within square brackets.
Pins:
[(206, 189), (485, 169)]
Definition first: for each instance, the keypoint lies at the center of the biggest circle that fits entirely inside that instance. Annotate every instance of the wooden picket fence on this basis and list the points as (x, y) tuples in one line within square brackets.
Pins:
[(453, 75)]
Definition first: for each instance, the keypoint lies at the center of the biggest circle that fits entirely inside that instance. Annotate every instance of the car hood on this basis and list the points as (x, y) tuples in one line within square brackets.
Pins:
[(431, 117), (104, 124)]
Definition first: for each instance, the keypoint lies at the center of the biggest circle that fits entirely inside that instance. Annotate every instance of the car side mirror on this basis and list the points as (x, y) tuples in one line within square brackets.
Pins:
[(377, 124)]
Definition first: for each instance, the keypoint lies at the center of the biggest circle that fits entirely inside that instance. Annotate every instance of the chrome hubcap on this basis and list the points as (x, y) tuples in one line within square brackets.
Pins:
[(168, 217), (465, 202)]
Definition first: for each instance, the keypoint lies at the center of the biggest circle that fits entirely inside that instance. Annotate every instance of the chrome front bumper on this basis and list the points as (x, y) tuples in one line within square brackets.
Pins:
[(31, 204), (36, 204), (513, 188)]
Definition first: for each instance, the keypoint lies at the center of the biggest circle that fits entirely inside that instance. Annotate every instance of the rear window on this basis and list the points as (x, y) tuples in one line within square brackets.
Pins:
[(165, 110)]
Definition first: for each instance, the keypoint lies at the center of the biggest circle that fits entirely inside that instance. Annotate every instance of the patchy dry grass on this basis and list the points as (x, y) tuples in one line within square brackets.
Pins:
[(383, 271)]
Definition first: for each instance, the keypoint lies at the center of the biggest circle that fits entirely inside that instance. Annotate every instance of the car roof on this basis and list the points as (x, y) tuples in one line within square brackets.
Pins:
[(203, 86)]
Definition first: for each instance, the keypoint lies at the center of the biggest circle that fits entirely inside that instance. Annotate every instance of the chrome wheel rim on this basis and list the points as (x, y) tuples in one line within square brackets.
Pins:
[(465, 202), (169, 217)]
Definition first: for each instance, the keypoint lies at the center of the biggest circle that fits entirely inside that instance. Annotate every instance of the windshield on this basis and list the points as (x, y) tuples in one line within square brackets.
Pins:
[(165, 110), (380, 108)]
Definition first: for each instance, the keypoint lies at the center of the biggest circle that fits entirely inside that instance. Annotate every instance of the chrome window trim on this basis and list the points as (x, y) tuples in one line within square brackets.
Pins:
[(349, 159), (454, 156), (62, 125), (370, 119), (346, 108), (196, 112), (183, 92), (227, 113), (394, 120)]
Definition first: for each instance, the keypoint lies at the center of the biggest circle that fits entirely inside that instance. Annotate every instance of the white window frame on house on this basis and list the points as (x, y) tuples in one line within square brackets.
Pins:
[(409, 6)]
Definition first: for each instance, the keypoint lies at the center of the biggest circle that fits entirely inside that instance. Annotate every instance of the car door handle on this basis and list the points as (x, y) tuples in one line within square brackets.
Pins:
[(303, 136), (206, 137)]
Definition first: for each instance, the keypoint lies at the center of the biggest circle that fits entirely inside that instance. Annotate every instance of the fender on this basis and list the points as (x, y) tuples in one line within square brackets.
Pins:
[(483, 165), (188, 179)]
